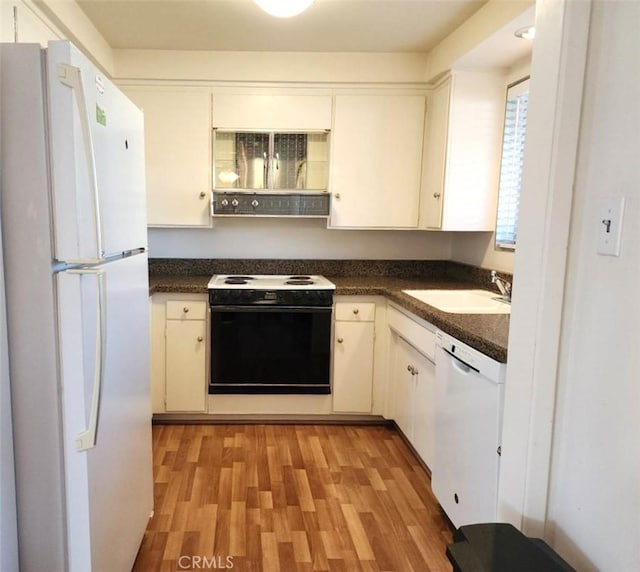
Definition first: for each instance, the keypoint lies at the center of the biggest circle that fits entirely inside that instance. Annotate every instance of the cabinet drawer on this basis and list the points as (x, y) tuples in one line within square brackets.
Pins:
[(418, 336), (356, 311), (190, 310)]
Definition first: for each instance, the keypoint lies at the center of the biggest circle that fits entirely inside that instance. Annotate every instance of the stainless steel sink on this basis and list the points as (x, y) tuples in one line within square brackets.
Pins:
[(463, 301)]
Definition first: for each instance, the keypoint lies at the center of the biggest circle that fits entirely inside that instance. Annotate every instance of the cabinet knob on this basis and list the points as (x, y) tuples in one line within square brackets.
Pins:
[(337, 195), (437, 195), (356, 311), (410, 369), (185, 309), (200, 338), (340, 340), (203, 195)]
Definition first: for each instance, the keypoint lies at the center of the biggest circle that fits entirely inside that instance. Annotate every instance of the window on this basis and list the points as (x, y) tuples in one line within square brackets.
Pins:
[(515, 130)]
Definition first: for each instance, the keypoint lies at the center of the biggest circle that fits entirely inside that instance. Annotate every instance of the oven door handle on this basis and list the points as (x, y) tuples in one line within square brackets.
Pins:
[(272, 309)]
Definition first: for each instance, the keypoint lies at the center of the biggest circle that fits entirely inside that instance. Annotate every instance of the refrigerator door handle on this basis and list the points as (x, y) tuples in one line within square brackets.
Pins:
[(71, 76), (87, 438)]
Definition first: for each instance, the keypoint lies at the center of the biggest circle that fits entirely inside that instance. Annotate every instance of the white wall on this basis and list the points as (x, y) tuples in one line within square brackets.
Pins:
[(295, 238), (594, 505), (477, 249), (269, 66)]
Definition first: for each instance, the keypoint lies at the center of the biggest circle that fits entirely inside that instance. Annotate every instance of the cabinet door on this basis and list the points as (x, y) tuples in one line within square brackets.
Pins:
[(186, 365), (435, 156), (423, 407), (271, 112), (462, 152), (403, 382), (178, 154), (353, 366), (376, 158)]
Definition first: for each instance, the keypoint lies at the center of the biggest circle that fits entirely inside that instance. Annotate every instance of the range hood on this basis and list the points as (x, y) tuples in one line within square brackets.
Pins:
[(270, 173), (276, 204)]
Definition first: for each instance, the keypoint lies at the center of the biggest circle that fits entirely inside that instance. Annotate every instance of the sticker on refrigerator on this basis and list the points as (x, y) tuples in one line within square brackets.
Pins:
[(101, 116)]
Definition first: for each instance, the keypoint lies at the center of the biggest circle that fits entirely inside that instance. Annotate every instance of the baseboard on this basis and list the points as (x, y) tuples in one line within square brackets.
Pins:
[(411, 447), (275, 419)]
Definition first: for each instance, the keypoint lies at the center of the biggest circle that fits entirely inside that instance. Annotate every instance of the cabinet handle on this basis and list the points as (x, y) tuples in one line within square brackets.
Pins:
[(200, 338), (340, 340), (436, 195), (185, 309), (410, 369), (203, 195), (356, 311), (337, 195)]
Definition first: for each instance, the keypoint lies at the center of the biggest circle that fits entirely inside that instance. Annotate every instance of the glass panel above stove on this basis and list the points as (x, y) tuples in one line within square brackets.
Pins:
[(300, 161), (276, 161), (241, 160)]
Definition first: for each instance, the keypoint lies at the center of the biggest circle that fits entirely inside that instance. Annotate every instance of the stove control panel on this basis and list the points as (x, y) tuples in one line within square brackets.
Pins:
[(276, 298)]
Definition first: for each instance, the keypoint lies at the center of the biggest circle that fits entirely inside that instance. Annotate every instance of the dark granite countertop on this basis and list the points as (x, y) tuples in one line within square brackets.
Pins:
[(487, 333)]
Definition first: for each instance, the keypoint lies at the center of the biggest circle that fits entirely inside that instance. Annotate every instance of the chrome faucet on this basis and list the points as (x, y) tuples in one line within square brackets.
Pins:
[(503, 285)]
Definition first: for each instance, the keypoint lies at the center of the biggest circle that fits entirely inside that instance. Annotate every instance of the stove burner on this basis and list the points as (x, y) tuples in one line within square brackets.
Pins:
[(299, 277), (299, 282), (236, 280)]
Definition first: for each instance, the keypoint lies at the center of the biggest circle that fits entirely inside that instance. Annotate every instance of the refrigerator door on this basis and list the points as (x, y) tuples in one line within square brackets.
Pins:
[(97, 161), (104, 369)]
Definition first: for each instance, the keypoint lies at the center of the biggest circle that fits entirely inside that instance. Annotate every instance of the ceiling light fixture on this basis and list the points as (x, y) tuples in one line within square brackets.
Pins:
[(526, 33), (284, 8)]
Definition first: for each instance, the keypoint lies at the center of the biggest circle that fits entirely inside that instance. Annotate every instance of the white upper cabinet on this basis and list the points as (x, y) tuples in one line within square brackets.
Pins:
[(271, 112), (375, 165), (462, 152), (177, 154)]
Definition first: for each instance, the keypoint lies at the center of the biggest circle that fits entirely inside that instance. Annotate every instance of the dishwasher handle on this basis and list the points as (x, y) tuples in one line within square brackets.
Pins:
[(461, 365)]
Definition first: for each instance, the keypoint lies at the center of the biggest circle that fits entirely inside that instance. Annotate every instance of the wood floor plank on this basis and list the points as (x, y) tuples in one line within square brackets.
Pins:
[(291, 498)]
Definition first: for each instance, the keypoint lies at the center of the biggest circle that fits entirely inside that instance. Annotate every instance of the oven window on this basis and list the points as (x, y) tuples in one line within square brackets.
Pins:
[(270, 348)]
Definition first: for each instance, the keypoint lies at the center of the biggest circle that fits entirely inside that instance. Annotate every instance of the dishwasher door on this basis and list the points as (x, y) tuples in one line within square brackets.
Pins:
[(469, 401)]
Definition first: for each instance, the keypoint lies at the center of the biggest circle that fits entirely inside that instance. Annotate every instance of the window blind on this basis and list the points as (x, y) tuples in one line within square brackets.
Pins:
[(515, 130)]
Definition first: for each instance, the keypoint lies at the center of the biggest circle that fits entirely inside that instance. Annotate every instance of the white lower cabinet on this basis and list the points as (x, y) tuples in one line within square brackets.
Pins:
[(179, 353), (186, 332), (412, 384), (353, 355)]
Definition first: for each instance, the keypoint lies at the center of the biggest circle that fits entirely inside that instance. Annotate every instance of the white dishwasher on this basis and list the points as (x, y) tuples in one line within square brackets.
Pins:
[(468, 427)]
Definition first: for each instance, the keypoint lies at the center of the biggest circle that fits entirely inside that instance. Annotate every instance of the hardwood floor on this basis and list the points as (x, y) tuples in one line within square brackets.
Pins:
[(290, 498)]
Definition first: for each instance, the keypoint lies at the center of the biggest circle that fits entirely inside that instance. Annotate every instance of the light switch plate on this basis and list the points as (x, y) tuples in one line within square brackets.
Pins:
[(610, 213)]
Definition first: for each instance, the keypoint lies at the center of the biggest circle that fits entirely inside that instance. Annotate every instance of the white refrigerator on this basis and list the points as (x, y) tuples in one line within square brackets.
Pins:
[(74, 237)]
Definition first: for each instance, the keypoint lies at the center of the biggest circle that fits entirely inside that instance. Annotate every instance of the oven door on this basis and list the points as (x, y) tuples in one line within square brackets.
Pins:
[(270, 349)]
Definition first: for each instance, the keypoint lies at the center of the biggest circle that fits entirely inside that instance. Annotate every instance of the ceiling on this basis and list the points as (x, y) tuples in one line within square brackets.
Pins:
[(239, 25)]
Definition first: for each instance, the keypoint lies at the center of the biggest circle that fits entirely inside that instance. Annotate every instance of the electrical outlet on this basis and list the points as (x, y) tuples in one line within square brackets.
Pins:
[(610, 213)]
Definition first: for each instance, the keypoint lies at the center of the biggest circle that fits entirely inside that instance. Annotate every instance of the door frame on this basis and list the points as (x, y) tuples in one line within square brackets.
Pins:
[(557, 72)]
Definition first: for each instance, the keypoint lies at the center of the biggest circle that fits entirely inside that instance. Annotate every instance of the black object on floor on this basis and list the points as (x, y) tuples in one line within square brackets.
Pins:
[(499, 547)]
